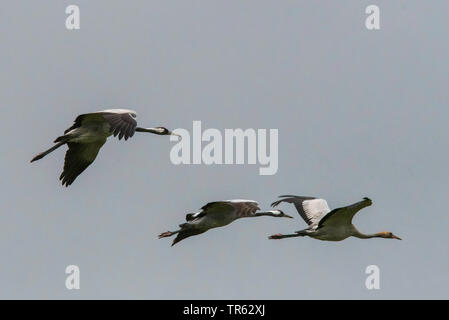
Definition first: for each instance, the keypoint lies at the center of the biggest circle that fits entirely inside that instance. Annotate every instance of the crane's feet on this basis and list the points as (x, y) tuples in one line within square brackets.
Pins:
[(276, 236), (165, 234)]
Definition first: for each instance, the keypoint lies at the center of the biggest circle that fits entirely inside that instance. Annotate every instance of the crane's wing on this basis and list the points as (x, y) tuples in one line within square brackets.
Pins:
[(244, 208), (121, 121), (309, 208), (238, 207), (77, 158), (344, 215), (210, 208), (122, 124)]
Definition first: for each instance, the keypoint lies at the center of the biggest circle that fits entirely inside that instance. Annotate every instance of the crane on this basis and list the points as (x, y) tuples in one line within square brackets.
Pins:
[(327, 224), (218, 214), (88, 134)]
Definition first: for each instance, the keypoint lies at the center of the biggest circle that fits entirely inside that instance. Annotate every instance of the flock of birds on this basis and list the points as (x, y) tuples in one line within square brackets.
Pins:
[(91, 130)]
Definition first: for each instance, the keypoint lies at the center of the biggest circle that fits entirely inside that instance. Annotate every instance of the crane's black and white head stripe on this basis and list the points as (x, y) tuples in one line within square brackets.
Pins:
[(162, 131)]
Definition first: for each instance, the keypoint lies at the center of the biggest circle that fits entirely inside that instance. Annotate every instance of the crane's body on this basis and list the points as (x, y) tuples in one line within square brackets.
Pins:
[(326, 224), (332, 234), (218, 214), (88, 134)]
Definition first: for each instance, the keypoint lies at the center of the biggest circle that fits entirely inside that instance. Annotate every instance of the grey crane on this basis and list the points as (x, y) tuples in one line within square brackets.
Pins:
[(88, 134), (218, 214), (327, 224)]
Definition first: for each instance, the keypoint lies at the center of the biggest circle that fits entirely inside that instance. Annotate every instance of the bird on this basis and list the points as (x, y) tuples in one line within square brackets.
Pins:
[(88, 134), (218, 214), (326, 224)]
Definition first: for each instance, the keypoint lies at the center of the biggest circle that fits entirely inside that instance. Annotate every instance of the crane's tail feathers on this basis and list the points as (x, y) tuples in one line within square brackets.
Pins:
[(43, 154), (181, 236), (185, 234)]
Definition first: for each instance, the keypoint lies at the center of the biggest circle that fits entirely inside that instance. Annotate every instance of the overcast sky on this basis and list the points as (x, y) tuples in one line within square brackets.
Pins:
[(359, 113)]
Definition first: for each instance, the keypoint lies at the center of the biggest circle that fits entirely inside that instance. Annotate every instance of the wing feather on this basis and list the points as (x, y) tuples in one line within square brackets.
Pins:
[(240, 208), (344, 215), (309, 208), (77, 158), (122, 124), (244, 208), (85, 118), (121, 121)]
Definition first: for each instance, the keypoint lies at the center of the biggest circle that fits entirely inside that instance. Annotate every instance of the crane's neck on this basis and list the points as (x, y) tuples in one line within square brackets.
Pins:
[(360, 235), (265, 213), (151, 130)]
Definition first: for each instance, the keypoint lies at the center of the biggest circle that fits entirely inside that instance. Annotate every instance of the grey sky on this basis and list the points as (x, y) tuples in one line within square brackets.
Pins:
[(359, 113)]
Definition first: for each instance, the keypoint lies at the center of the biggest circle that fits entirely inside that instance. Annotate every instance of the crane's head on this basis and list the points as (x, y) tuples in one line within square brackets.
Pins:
[(388, 235), (280, 214), (164, 132)]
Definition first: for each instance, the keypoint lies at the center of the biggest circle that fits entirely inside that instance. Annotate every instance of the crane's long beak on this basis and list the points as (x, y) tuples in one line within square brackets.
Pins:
[(287, 216), (395, 237)]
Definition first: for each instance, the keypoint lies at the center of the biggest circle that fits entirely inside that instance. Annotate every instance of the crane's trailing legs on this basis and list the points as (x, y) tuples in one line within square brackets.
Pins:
[(282, 236), (43, 154), (168, 234)]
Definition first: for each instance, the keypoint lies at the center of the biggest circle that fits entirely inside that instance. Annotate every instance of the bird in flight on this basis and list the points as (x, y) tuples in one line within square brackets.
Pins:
[(327, 224), (88, 134), (218, 214)]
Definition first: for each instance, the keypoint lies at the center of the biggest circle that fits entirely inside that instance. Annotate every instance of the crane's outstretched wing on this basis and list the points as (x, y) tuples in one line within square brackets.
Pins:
[(344, 215), (244, 208), (211, 207), (241, 208), (77, 158), (121, 121), (122, 124), (309, 208)]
